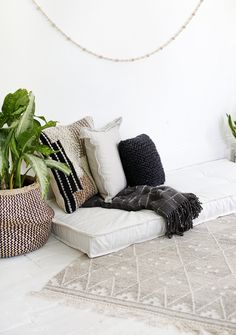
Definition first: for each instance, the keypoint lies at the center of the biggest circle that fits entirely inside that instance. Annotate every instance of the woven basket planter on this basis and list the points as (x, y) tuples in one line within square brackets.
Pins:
[(25, 220)]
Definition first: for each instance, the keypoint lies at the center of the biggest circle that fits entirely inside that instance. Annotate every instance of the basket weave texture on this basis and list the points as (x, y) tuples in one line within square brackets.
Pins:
[(25, 220)]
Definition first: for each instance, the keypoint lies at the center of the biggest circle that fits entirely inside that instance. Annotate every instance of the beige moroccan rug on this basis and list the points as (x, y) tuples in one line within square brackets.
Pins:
[(188, 281)]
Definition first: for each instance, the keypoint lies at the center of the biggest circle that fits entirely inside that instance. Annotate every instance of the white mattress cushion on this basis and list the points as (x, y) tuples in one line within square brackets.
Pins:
[(98, 231)]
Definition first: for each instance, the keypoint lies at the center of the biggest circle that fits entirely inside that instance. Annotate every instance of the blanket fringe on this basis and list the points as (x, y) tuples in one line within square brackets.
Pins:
[(181, 219), (195, 205)]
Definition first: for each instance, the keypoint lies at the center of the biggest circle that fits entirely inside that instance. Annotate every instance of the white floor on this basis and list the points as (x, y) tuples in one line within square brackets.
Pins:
[(22, 313)]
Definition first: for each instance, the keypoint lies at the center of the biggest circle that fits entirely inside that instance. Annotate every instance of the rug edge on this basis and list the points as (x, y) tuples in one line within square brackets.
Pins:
[(147, 317)]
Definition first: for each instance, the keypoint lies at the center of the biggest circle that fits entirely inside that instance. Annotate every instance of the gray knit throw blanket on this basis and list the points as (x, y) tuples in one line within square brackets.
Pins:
[(178, 209)]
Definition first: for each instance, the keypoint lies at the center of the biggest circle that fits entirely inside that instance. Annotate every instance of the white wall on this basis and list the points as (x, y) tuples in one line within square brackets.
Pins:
[(179, 96)]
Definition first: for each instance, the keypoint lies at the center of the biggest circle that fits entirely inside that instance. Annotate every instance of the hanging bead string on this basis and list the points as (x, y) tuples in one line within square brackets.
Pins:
[(133, 59)]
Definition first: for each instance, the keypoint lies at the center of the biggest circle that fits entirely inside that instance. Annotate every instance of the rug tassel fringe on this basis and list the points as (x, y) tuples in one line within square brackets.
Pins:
[(151, 319)]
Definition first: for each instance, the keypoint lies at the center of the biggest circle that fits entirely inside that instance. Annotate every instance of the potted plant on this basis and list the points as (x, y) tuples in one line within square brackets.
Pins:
[(232, 126), (25, 217)]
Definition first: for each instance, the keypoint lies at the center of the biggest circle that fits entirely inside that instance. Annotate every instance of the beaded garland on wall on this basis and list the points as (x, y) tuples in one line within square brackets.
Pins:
[(113, 59)]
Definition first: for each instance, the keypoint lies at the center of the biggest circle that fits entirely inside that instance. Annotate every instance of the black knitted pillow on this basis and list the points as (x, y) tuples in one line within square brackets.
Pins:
[(141, 161)]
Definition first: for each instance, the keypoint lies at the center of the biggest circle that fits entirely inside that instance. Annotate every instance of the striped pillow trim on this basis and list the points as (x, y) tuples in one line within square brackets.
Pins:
[(67, 184)]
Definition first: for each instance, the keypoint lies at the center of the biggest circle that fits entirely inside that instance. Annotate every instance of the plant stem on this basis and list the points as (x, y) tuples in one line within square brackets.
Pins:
[(18, 174), (25, 174), (11, 181)]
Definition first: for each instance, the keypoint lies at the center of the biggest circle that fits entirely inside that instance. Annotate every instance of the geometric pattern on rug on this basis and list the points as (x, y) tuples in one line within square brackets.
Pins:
[(190, 278)]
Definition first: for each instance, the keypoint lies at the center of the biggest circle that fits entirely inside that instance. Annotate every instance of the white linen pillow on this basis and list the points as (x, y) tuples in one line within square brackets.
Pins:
[(104, 159)]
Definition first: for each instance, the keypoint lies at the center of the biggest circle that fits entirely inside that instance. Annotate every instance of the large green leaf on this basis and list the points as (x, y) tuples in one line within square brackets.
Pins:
[(3, 119), (44, 150), (27, 119), (27, 141), (14, 105), (40, 169), (231, 124), (20, 141), (58, 166), (3, 160), (14, 148)]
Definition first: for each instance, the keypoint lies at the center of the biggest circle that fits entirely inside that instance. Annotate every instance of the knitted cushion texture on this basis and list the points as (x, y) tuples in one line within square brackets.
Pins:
[(141, 161)]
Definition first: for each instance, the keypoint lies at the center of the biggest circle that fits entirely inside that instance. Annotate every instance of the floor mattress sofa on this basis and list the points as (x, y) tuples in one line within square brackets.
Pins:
[(99, 231)]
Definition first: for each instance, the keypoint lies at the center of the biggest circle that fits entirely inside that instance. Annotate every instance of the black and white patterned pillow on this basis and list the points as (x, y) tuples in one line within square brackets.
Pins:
[(73, 190), (141, 161)]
